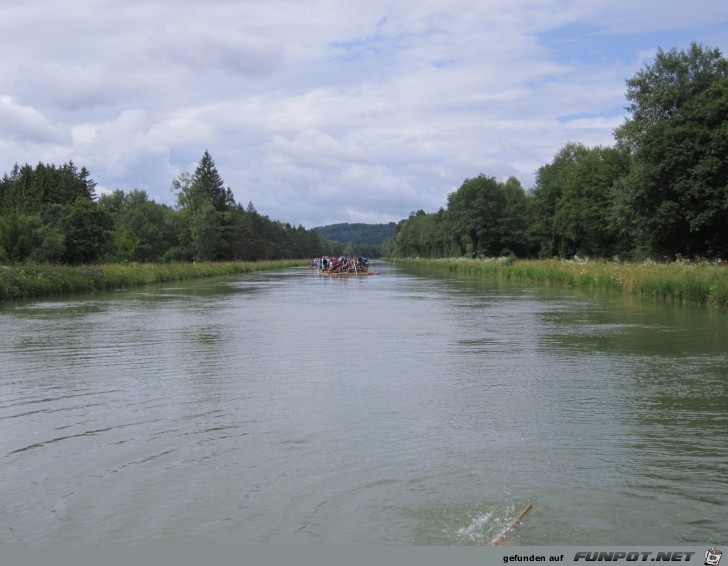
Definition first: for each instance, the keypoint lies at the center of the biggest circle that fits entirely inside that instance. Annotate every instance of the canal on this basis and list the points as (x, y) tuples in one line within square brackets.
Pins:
[(407, 408)]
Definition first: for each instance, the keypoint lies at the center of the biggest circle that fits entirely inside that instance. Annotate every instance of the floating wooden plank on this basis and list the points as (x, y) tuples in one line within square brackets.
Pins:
[(504, 532)]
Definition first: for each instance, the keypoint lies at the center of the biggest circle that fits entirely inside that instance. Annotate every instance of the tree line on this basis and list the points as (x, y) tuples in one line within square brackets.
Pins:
[(358, 239), (51, 213), (660, 191)]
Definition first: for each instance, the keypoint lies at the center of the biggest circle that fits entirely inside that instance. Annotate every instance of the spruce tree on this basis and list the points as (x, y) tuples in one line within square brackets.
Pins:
[(208, 181)]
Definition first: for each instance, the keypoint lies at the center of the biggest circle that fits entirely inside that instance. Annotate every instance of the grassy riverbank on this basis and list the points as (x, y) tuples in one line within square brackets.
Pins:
[(702, 283), (27, 281)]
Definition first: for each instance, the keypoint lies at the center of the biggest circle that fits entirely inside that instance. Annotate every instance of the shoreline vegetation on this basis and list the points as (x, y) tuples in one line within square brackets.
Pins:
[(33, 281), (679, 282)]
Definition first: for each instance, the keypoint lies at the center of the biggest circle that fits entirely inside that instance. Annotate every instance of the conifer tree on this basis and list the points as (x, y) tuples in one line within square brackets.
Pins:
[(206, 206), (208, 181)]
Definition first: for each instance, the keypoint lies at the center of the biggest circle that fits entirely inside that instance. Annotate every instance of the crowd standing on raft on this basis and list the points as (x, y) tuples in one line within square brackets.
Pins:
[(341, 264)]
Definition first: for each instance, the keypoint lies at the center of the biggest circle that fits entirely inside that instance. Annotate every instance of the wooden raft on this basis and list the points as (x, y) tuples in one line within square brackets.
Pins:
[(347, 273)]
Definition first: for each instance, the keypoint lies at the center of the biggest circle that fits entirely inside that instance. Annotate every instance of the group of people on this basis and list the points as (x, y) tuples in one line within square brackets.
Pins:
[(340, 264)]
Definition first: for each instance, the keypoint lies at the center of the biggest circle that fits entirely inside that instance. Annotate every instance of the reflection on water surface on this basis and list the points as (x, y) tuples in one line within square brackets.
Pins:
[(401, 409)]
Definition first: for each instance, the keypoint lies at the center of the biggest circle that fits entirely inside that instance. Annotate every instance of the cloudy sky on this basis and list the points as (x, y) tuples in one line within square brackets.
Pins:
[(325, 111)]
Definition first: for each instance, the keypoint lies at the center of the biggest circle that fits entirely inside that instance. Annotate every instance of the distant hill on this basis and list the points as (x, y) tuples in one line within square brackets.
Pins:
[(360, 234)]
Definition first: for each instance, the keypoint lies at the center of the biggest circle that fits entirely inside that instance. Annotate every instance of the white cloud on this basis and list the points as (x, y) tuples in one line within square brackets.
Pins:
[(127, 149), (204, 49), (314, 149), (75, 86), (325, 111), (26, 125)]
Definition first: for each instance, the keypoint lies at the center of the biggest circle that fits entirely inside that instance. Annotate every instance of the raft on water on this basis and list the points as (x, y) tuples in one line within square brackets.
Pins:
[(348, 273), (342, 266)]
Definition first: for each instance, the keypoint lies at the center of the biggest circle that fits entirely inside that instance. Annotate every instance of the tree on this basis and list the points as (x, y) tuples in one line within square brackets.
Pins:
[(136, 216), (33, 203), (207, 181), (514, 220), (88, 229), (677, 190), (126, 245), (474, 211), (51, 239), (573, 201), (582, 218), (547, 194), (204, 200), (28, 189), (658, 91), (18, 236), (421, 235), (357, 233)]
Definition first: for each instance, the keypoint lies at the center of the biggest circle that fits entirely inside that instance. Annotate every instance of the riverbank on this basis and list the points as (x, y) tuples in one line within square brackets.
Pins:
[(29, 281), (701, 283)]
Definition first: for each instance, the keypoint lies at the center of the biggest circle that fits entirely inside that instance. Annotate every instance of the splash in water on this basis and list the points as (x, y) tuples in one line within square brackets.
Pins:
[(478, 529)]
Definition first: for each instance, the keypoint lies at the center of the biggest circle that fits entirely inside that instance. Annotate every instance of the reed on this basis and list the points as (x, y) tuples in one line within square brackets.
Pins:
[(701, 282), (28, 281)]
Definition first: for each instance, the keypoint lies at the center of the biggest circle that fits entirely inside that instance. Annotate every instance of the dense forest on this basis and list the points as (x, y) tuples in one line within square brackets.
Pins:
[(661, 191), (51, 214), (357, 239)]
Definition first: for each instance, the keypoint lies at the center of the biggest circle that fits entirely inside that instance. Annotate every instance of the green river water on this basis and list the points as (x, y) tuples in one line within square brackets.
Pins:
[(399, 409)]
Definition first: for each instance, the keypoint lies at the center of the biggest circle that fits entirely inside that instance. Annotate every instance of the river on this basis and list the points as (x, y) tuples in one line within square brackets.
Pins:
[(401, 409)]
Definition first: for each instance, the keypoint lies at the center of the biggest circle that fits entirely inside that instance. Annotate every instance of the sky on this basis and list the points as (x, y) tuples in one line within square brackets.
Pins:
[(325, 111)]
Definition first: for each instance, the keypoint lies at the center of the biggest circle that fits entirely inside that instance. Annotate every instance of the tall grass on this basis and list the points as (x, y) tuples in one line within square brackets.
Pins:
[(26, 281), (702, 282)]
